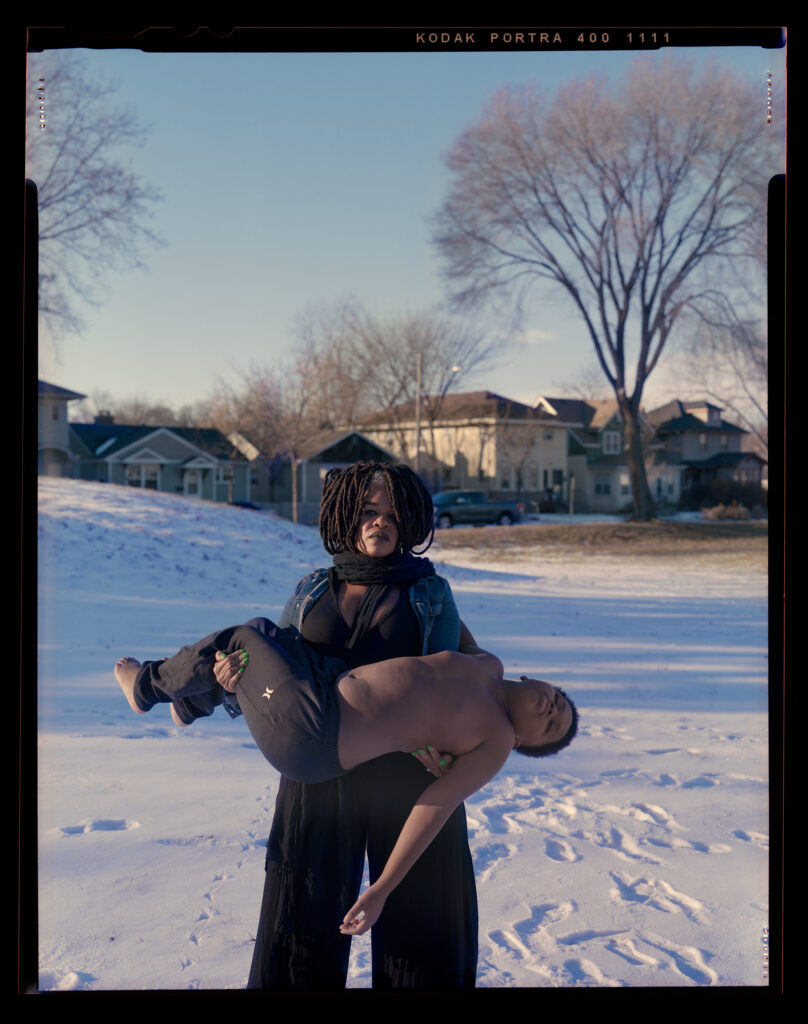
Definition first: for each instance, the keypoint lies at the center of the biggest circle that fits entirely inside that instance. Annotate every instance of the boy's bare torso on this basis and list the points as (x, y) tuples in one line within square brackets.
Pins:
[(447, 699)]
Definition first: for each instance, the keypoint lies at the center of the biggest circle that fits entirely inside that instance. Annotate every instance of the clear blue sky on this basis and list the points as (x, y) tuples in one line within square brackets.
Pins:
[(292, 179)]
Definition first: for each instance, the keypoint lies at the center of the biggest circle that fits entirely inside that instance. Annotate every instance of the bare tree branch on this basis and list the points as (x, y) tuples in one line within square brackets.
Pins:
[(94, 210), (625, 195)]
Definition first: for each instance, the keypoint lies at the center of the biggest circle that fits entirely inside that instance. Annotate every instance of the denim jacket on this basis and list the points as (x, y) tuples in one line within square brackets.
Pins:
[(430, 598)]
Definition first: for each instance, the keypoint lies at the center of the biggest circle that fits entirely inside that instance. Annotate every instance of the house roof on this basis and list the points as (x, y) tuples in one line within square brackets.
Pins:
[(53, 390), (675, 418), (591, 414), (461, 406), (346, 439), (105, 439)]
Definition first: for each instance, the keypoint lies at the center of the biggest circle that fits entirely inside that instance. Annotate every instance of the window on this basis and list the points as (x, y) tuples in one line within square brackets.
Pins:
[(625, 484), (603, 483), (533, 477), (191, 482), (505, 480), (702, 442), (143, 476), (611, 442), (724, 442)]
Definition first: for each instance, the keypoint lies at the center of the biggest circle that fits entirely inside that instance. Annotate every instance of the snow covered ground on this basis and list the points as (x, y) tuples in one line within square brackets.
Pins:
[(637, 857)]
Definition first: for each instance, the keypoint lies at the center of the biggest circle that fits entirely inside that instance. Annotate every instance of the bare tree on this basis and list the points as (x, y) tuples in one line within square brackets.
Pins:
[(326, 341), (277, 409), (94, 209), (136, 410), (416, 360), (625, 196)]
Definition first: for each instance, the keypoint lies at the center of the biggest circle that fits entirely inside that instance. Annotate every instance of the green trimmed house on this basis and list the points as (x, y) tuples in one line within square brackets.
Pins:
[(197, 462), (596, 458)]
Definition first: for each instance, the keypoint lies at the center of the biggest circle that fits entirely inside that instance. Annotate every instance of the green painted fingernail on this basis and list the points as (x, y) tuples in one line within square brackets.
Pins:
[(443, 761)]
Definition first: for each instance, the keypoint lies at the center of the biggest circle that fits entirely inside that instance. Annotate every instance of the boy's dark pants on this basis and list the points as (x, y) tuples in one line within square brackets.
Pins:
[(186, 679)]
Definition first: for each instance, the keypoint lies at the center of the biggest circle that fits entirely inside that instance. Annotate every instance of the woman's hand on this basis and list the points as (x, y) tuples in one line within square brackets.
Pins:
[(228, 668), (435, 762), (364, 913)]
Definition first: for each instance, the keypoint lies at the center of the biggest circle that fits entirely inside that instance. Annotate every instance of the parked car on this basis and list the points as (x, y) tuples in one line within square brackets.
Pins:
[(470, 508)]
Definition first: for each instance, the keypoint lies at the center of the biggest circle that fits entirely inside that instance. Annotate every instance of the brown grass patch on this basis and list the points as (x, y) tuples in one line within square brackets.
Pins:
[(659, 537)]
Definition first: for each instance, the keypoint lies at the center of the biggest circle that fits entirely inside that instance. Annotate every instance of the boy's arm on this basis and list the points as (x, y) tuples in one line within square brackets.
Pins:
[(469, 773), (468, 645)]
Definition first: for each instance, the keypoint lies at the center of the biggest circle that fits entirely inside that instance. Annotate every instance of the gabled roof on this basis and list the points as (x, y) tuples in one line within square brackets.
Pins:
[(54, 391), (105, 439), (603, 410), (568, 410), (675, 418), (591, 414), (330, 439), (461, 406)]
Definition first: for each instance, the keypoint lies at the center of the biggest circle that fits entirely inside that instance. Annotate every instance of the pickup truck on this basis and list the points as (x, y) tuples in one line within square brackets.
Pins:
[(470, 508)]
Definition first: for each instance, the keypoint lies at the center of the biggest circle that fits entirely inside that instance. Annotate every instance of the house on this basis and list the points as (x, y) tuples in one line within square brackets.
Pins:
[(198, 462), (326, 450), (695, 455), (54, 457), (478, 440), (596, 456), (692, 455)]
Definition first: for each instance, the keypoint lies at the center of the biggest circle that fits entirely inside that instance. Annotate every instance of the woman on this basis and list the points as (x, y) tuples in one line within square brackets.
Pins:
[(376, 601)]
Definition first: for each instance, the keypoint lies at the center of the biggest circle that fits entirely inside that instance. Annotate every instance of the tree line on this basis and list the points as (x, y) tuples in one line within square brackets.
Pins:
[(641, 201)]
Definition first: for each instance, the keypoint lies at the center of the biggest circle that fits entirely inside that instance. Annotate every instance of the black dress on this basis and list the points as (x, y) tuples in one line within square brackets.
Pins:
[(426, 937)]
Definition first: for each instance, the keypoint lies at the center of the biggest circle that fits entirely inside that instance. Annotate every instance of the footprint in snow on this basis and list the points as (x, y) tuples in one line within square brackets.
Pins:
[(488, 858), (98, 825), (658, 894), (756, 838), (584, 972), (542, 915), (64, 981), (560, 850), (689, 961)]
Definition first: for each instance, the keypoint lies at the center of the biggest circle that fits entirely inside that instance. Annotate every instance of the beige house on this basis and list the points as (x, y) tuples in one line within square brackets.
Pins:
[(478, 440)]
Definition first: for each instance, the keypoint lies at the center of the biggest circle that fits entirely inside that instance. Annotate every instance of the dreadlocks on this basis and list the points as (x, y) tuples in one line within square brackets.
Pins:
[(344, 492)]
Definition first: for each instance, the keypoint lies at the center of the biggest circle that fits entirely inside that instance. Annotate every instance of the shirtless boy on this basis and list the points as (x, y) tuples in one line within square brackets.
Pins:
[(313, 721)]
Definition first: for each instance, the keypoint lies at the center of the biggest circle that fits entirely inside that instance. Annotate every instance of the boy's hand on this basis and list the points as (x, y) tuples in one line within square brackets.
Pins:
[(364, 913), (228, 668), (435, 762)]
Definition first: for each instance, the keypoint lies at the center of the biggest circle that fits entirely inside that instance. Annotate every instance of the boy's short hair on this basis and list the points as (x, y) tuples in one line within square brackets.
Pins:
[(553, 748)]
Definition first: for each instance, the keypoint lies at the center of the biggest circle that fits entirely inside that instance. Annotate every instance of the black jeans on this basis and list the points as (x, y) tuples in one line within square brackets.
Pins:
[(426, 937)]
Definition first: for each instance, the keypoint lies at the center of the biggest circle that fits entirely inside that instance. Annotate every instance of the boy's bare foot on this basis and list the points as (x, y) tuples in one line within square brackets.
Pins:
[(126, 672), (176, 718)]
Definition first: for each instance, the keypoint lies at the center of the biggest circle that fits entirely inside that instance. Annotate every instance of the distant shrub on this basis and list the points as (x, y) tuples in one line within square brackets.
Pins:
[(732, 511), (724, 492)]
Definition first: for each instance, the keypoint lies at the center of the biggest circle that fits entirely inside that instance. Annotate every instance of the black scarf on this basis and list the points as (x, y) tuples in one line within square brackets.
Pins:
[(378, 575)]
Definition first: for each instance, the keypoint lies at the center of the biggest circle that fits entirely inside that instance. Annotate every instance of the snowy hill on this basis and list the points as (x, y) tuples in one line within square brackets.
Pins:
[(638, 857)]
